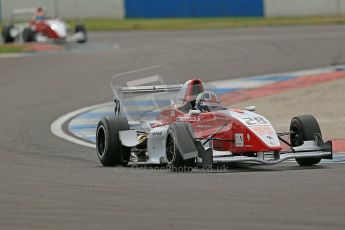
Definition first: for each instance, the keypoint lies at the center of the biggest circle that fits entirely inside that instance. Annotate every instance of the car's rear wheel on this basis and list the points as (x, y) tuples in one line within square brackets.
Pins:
[(80, 28), (109, 149), (6, 34), (303, 128), (28, 35), (173, 155)]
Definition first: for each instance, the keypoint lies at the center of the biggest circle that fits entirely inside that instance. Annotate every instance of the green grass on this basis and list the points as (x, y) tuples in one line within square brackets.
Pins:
[(12, 48), (203, 23)]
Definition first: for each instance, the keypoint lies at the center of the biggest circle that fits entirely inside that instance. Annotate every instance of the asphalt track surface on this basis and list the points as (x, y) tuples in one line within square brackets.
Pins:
[(48, 183)]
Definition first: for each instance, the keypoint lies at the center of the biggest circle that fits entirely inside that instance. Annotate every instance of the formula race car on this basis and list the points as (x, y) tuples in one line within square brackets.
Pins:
[(44, 30), (156, 121)]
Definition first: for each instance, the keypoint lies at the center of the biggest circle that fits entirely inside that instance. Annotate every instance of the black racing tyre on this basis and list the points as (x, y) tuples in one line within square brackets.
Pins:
[(81, 28), (109, 149), (173, 155), (6, 34), (303, 129), (28, 35)]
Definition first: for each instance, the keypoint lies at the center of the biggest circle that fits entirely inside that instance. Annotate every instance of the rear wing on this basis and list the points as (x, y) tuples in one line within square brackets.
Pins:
[(22, 12), (151, 88), (152, 95), (141, 94)]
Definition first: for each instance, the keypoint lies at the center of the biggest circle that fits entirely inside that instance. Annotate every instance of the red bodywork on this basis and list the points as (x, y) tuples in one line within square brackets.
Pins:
[(43, 28), (222, 123)]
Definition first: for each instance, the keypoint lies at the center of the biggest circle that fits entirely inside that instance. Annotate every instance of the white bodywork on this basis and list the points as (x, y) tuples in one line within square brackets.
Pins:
[(258, 124), (58, 26), (129, 138), (156, 144)]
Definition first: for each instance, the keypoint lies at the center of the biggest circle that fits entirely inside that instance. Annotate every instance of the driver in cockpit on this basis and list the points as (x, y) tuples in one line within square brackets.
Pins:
[(39, 15), (207, 102)]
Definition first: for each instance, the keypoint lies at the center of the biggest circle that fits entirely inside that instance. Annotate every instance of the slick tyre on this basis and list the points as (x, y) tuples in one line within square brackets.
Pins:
[(109, 149), (81, 29), (28, 35), (6, 34), (173, 154), (303, 128)]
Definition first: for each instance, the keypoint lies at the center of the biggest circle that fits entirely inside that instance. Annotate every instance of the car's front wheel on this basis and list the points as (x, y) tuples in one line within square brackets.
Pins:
[(80, 28), (28, 35), (303, 128), (6, 34), (177, 133), (109, 149)]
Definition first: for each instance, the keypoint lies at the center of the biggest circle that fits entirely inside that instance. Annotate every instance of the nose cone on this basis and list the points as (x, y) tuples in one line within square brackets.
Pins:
[(253, 130), (59, 27)]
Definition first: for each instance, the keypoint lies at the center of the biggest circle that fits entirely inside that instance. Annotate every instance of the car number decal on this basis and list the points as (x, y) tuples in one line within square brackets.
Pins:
[(255, 121)]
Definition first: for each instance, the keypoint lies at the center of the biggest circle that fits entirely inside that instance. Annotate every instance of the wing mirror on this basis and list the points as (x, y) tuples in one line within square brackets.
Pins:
[(194, 112), (250, 108)]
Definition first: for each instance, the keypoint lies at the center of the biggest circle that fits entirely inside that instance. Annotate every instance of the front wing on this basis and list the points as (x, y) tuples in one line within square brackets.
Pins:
[(270, 161), (310, 149)]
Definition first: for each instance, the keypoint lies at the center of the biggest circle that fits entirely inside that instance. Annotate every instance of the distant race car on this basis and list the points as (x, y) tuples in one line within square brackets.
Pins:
[(184, 126), (45, 30)]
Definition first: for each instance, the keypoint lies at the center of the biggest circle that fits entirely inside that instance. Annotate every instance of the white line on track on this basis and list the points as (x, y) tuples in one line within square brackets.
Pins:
[(57, 130), (116, 46), (14, 55)]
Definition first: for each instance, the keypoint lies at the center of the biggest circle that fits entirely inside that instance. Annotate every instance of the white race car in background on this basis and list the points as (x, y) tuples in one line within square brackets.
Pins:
[(41, 30)]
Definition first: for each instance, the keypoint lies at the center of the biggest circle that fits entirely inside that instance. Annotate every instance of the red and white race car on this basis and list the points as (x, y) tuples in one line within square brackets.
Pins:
[(44, 30), (184, 126)]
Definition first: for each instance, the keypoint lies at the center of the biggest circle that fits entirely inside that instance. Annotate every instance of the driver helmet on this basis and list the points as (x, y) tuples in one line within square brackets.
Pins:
[(207, 102), (40, 14)]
